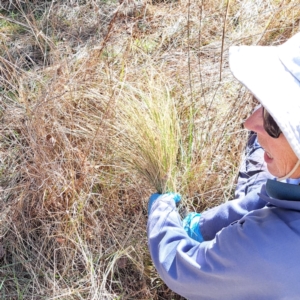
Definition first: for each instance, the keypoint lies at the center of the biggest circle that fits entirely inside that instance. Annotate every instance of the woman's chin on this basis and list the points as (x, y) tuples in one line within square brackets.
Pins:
[(271, 166)]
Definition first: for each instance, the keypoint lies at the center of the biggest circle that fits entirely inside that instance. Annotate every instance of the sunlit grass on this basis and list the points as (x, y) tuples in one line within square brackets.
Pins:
[(102, 104)]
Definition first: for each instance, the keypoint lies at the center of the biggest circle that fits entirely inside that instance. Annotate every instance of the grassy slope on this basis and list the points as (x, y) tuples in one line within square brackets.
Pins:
[(87, 91)]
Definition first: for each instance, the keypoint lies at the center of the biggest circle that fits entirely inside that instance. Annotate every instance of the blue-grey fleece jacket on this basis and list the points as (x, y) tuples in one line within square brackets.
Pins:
[(251, 248)]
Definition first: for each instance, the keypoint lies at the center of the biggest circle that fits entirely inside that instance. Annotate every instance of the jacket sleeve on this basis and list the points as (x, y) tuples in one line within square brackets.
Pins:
[(222, 268), (214, 219)]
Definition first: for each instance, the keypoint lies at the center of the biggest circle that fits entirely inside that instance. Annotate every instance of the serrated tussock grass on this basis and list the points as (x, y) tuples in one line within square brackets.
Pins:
[(150, 132), (101, 104)]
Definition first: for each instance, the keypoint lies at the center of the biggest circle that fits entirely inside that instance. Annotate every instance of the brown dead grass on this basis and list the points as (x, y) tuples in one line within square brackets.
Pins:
[(73, 211)]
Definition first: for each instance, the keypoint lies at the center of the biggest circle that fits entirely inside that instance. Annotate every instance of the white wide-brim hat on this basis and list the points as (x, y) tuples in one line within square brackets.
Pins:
[(272, 74)]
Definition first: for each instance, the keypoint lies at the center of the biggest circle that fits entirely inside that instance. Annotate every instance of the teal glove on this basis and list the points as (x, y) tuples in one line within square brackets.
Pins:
[(191, 226), (154, 197)]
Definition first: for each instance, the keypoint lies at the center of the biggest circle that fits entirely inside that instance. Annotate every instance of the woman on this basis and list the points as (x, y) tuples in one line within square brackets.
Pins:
[(247, 248)]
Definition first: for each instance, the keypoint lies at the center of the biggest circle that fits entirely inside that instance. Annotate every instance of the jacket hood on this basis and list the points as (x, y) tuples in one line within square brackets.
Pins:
[(281, 194)]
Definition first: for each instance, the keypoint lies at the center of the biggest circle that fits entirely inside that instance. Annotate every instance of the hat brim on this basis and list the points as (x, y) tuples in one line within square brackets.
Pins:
[(262, 72)]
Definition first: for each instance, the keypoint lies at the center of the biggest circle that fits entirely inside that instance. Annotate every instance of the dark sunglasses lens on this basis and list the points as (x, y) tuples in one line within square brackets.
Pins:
[(270, 125)]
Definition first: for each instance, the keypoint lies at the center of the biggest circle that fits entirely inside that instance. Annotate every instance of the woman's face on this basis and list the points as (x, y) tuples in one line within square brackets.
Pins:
[(279, 156)]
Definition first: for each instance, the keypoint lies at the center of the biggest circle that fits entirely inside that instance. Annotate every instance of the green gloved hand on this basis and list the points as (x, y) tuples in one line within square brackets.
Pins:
[(191, 226), (176, 197)]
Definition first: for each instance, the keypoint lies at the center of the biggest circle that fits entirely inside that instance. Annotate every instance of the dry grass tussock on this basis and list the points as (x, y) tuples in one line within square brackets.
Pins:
[(101, 104)]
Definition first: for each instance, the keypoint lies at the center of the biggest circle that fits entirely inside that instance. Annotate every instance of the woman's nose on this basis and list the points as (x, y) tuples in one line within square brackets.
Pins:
[(255, 121)]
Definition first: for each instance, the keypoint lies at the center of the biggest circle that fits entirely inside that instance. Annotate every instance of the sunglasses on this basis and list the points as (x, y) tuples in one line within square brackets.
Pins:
[(270, 125)]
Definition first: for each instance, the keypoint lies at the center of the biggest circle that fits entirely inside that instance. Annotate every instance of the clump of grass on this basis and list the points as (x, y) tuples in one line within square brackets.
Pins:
[(97, 110), (150, 132)]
